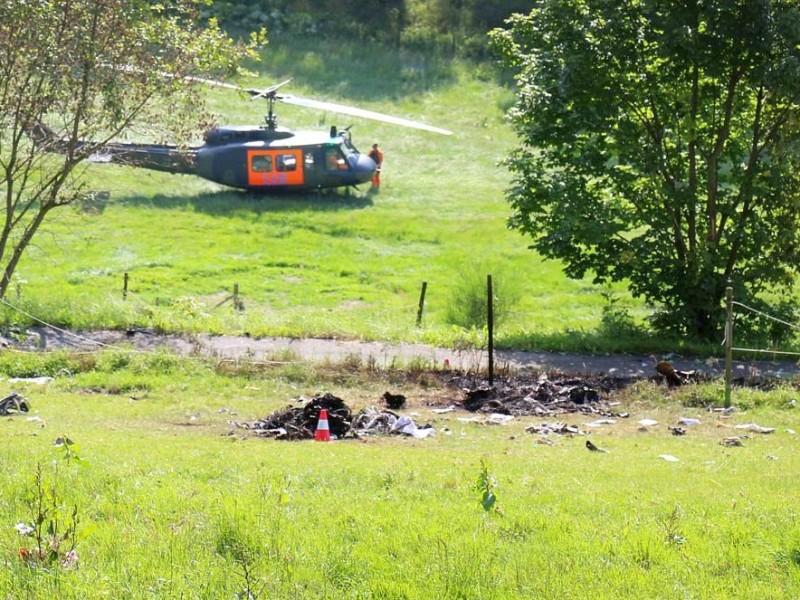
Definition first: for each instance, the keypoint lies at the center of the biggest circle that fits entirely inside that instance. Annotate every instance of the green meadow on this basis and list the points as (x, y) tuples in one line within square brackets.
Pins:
[(170, 500), (134, 460), (345, 263)]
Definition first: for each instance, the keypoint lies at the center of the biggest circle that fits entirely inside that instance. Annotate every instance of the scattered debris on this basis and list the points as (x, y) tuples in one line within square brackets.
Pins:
[(594, 448), (669, 458), (35, 380), (559, 427), (677, 430), (406, 426), (755, 428), (688, 422), (771, 457), (648, 422), (394, 401), (14, 403), (600, 422), (732, 441), (499, 419), (469, 419), (293, 423), (546, 396), (441, 411), (372, 420), (300, 423), (666, 370)]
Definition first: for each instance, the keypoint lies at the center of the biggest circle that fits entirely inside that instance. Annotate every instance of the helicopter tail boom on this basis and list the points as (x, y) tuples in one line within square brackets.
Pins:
[(156, 157)]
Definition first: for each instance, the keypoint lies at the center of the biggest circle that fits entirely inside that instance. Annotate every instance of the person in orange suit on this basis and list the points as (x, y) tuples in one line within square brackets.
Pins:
[(376, 155)]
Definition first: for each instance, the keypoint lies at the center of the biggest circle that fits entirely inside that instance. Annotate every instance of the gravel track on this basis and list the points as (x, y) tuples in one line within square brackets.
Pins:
[(382, 355)]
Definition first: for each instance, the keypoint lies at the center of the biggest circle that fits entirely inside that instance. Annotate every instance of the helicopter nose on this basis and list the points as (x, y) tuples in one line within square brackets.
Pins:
[(364, 168)]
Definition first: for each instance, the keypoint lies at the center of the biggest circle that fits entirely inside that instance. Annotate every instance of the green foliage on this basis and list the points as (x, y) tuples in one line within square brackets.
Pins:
[(616, 321), (660, 147), (53, 527), (424, 25), (486, 487), (469, 306), (75, 75)]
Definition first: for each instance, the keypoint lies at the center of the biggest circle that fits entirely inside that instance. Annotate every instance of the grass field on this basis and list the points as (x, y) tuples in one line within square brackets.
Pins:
[(169, 500), (340, 264), (172, 502)]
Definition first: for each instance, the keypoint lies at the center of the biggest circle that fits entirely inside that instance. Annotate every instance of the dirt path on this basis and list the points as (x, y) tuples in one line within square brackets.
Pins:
[(384, 355)]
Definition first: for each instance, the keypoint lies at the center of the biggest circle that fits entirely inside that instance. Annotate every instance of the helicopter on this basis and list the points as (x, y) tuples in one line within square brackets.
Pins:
[(263, 158)]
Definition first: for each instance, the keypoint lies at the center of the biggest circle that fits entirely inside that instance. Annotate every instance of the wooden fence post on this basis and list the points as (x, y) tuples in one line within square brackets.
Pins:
[(125, 286), (237, 304), (421, 302)]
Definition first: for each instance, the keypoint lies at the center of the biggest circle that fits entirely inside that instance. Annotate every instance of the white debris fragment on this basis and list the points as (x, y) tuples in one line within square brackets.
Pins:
[(755, 428), (498, 419), (600, 422), (669, 458), (34, 380)]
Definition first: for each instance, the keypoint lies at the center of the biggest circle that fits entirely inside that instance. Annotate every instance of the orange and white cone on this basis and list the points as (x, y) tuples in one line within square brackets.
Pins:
[(323, 433)]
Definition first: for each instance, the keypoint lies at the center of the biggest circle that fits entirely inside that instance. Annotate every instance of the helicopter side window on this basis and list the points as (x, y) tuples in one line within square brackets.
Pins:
[(286, 162), (261, 164)]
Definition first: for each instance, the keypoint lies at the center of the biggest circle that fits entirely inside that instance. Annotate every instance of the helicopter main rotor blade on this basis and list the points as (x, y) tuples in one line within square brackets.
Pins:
[(360, 112)]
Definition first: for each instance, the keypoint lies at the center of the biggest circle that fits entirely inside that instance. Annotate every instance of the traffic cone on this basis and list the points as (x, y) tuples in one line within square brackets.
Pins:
[(323, 433)]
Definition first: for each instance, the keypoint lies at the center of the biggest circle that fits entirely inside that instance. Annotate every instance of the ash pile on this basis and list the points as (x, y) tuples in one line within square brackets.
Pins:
[(300, 422), (549, 395)]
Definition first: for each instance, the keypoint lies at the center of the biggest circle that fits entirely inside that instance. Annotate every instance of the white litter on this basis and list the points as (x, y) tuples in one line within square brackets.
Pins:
[(669, 458), (755, 428), (688, 422), (600, 422), (441, 411), (35, 380), (498, 419), (648, 422), (407, 426)]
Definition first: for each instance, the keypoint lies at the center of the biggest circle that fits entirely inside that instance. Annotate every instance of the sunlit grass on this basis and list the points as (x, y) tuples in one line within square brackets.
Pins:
[(337, 264), (171, 505)]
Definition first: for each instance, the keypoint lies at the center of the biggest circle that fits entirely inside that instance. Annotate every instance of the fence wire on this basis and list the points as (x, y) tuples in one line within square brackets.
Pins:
[(772, 318), (78, 339)]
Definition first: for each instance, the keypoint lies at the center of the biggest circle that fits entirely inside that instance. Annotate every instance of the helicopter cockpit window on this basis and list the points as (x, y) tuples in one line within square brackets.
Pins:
[(262, 164), (334, 161), (286, 162)]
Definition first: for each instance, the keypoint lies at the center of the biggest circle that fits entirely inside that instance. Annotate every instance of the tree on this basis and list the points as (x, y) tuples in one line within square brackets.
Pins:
[(660, 146), (74, 74)]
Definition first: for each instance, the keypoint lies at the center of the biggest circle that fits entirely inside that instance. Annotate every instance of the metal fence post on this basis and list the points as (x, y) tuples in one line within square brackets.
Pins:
[(728, 344), (490, 325)]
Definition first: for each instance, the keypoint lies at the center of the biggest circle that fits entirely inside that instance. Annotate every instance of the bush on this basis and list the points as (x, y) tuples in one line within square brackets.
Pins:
[(468, 305)]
